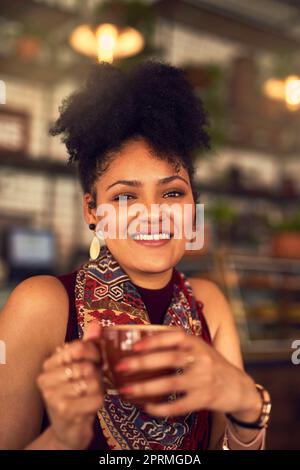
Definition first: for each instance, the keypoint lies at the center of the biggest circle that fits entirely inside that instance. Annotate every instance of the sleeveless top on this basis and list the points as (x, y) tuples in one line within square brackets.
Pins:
[(156, 306)]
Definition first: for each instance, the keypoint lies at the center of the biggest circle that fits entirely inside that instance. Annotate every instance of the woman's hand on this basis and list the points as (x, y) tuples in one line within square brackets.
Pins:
[(208, 380), (71, 387)]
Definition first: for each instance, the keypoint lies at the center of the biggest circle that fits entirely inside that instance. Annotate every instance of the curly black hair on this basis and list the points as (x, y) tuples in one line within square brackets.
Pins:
[(153, 101)]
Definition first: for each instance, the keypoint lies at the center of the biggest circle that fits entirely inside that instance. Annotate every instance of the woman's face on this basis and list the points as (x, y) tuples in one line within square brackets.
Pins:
[(135, 176)]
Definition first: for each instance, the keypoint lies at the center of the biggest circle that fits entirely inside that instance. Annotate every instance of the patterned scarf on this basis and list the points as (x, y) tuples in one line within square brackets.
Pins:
[(105, 292)]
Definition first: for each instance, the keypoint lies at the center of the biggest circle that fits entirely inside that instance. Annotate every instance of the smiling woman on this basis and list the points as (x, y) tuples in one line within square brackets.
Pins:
[(133, 138), (135, 159)]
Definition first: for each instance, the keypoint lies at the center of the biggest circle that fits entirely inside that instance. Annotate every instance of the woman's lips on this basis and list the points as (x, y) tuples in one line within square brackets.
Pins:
[(153, 243)]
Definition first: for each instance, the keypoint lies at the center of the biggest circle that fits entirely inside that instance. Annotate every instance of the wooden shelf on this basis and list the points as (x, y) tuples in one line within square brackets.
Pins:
[(249, 194), (43, 165)]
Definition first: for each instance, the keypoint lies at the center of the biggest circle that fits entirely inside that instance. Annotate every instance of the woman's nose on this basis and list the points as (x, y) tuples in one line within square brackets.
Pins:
[(154, 216)]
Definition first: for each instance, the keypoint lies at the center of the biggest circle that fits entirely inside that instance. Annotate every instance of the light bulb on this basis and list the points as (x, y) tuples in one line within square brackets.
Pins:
[(107, 36), (292, 92)]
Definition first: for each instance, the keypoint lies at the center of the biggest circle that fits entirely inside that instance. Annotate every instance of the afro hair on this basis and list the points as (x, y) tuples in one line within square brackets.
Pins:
[(153, 101)]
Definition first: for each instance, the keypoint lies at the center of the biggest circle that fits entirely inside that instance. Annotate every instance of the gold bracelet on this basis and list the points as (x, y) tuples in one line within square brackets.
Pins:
[(230, 436), (225, 445), (264, 417)]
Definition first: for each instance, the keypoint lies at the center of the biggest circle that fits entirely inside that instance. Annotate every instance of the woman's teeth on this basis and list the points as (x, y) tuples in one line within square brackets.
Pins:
[(155, 236)]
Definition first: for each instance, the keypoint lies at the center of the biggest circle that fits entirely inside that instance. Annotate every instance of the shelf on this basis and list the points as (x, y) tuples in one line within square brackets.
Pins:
[(262, 194), (252, 262), (283, 283), (43, 165)]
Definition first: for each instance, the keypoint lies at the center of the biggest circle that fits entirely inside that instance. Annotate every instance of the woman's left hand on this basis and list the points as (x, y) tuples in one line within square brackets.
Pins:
[(208, 380)]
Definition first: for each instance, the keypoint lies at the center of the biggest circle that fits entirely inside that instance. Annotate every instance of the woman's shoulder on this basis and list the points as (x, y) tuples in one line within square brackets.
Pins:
[(204, 287), (40, 288), (215, 305), (41, 301)]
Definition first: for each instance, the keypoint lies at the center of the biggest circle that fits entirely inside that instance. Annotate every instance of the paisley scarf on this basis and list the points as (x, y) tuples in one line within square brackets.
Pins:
[(105, 292)]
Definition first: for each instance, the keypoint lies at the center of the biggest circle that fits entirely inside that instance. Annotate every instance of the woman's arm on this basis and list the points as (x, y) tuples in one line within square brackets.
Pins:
[(212, 379), (32, 323), (226, 341), (46, 441)]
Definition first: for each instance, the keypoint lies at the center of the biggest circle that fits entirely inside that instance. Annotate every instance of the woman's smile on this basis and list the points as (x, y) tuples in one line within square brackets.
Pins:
[(152, 240)]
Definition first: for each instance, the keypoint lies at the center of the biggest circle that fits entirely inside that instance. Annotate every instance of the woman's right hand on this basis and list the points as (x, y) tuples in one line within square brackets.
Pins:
[(70, 384)]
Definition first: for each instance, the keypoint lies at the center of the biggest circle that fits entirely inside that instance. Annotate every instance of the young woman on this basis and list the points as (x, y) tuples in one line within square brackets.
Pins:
[(133, 137)]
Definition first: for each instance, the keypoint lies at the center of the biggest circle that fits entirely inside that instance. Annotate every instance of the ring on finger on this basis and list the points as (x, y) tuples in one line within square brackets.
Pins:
[(189, 360), (69, 373), (80, 388), (72, 372)]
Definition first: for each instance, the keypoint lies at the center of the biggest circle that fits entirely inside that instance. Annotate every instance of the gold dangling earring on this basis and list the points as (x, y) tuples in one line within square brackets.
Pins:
[(95, 246)]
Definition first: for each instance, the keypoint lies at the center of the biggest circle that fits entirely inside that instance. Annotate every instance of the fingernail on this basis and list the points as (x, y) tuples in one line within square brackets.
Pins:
[(122, 366), (138, 346), (126, 390)]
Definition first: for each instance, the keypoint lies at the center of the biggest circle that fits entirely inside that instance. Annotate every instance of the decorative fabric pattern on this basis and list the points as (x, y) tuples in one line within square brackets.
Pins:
[(105, 292)]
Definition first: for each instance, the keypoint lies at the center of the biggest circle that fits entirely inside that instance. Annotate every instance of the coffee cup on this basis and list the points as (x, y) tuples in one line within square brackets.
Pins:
[(117, 343)]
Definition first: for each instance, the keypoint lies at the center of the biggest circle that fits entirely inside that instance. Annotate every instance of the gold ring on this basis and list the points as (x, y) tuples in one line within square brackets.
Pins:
[(189, 360), (80, 388), (69, 373)]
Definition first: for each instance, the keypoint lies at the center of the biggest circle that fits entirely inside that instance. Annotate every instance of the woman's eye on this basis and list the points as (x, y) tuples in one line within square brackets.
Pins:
[(123, 197), (174, 194), (127, 197)]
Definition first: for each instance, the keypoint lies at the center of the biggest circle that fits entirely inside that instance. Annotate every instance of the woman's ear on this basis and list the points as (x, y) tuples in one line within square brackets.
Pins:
[(89, 206)]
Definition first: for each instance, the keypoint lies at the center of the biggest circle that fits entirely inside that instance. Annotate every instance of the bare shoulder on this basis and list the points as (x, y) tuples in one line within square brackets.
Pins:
[(39, 301), (216, 307), (220, 319), (32, 324)]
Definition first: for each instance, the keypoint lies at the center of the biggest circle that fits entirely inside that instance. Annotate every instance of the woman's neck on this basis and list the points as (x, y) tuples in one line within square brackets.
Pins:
[(150, 280)]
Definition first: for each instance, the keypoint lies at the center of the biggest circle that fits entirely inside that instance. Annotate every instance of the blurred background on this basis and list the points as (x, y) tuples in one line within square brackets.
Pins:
[(244, 60)]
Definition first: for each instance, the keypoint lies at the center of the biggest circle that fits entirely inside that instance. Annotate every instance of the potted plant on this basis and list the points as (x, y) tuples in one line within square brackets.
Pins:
[(222, 214), (286, 237)]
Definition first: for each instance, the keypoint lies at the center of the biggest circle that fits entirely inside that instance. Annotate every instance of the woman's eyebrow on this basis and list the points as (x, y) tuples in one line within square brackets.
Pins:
[(136, 183), (168, 179), (125, 182)]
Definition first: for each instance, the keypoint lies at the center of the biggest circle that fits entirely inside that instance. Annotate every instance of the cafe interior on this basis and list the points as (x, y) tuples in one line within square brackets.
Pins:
[(243, 59)]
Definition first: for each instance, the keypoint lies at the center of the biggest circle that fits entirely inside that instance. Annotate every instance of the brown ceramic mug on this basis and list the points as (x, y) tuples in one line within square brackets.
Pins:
[(116, 344)]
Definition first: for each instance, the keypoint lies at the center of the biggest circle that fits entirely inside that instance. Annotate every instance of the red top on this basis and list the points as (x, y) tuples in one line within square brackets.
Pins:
[(156, 306)]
